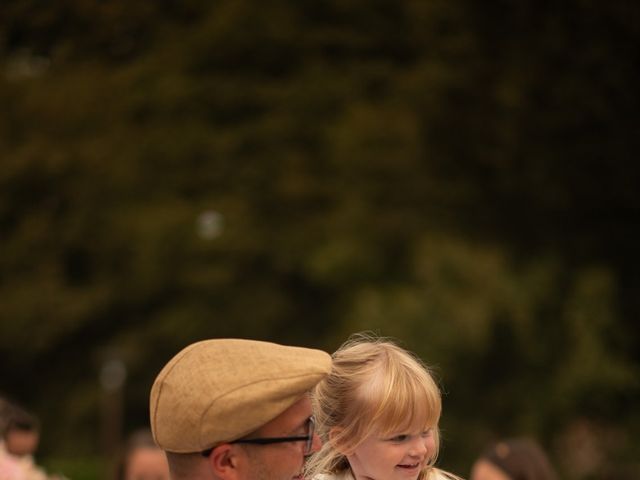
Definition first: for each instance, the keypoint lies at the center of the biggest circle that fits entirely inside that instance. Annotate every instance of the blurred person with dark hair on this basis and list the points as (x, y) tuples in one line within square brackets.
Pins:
[(20, 437), (513, 459), (10, 468), (142, 459), (21, 433)]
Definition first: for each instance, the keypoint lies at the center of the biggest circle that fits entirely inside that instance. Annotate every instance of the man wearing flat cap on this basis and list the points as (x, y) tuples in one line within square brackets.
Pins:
[(237, 409)]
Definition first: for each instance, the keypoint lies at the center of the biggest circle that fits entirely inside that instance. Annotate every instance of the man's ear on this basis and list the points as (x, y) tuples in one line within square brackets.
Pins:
[(224, 460)]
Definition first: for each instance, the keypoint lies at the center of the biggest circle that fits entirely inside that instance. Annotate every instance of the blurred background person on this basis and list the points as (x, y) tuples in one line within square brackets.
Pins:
[(513, 459), (10, 468), (20, 430), (142, 459), (21, 433)]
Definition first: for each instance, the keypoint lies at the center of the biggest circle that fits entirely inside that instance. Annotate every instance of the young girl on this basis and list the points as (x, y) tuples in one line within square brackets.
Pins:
[(377, 413)]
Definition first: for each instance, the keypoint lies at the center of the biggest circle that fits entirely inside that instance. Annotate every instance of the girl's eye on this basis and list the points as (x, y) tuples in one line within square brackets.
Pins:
[(400, 438), (427, 433)]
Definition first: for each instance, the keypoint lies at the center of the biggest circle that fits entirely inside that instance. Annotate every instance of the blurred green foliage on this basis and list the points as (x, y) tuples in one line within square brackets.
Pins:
[(78, 468), (458, 175)]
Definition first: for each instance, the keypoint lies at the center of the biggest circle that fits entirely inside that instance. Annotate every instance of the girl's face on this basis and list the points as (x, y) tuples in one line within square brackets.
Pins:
[(399, 456)]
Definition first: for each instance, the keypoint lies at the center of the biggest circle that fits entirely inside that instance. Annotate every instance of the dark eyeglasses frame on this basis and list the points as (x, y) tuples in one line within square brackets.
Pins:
[(269, 440)]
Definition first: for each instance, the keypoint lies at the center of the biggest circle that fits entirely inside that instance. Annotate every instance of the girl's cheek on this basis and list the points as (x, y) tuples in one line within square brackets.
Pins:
[(430, 444)]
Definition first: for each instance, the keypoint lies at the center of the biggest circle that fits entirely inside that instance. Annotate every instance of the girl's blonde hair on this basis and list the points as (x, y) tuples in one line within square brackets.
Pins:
[(375, 387)]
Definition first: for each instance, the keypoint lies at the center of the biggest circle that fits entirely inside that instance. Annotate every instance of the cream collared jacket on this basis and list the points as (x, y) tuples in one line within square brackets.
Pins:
[(347, 475)]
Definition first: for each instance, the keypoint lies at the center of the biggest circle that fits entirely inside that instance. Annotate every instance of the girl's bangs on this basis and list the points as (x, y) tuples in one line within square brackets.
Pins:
[(408, 403)]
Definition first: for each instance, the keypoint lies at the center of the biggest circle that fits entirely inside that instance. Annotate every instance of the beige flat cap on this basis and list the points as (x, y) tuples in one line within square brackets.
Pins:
[(219, 390)]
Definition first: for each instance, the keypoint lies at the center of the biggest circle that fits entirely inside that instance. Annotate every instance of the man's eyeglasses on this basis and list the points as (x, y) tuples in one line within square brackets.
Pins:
[(308, 438)]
